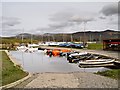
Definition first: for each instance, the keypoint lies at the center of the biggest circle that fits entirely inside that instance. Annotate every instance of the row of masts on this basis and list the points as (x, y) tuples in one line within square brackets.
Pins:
[(31, 39), (63, 38), (84, 40)]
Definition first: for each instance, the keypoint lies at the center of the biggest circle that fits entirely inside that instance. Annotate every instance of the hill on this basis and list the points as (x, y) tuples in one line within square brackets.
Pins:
[(78, 36)]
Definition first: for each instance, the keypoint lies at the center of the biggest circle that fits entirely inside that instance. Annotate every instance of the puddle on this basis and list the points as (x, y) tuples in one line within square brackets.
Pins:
[(38, 62)]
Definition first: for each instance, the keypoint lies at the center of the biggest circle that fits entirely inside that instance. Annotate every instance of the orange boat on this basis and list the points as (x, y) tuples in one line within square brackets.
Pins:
[(65, 50), (55, 52)]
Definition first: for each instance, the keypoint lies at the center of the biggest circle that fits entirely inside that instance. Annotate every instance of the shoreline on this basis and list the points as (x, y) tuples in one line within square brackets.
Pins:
[(15, 63)]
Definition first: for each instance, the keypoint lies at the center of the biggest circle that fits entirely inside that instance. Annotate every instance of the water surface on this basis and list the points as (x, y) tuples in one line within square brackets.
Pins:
[(38, 62)]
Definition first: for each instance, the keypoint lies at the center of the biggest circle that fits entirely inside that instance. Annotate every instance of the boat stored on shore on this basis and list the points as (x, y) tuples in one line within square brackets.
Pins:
[(97, 63)]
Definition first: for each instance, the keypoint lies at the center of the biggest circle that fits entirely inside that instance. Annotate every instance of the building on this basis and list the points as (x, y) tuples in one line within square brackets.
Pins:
[(111, 44)]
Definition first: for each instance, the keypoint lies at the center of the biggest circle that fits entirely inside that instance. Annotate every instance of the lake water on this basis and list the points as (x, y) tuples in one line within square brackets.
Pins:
[(38, 62)]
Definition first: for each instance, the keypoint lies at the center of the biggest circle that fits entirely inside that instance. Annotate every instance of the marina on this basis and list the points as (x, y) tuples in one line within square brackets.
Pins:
[(60, 45)]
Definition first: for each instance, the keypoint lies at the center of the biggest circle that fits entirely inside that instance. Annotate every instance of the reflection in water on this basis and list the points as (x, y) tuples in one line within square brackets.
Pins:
[(39, 62)]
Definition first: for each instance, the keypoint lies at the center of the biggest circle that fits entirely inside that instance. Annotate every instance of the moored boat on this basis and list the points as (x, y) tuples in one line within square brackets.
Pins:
[(22, 48)]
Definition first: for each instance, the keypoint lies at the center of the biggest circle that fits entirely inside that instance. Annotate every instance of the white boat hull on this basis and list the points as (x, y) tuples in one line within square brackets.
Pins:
[(22, 48), (31, 50), (97, 63)]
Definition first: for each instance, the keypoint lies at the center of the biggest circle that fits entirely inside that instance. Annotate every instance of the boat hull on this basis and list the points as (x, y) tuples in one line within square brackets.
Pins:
[(96, 64)]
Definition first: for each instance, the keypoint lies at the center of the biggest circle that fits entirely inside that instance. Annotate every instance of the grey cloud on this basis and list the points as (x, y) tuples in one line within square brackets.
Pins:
[(102, 17), (60, 25), (114, 20), (69, 19), (110, 9), (55, 26), (61, 16), (8, 24), (72, 16), (9, 21), (6, 31), (66, 20), (79, 18)]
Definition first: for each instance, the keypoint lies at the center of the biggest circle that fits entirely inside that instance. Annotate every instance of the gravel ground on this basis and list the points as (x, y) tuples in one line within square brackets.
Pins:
[(90, 80), (72, 80), (52, 80)]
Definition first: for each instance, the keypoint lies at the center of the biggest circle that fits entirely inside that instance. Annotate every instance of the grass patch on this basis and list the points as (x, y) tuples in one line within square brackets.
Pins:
[(114, 73), (95, 46), (0, 68), (10, 73)]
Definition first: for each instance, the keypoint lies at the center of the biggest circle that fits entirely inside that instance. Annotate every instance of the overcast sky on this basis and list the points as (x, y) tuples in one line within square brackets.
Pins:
[(57, 17)]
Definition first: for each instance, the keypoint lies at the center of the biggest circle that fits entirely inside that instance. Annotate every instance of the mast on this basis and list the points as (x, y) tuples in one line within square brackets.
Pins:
[(63, 37), (53, 38), (80, 38), (84, 40), (31, 38), (71, 38), (22, 35)]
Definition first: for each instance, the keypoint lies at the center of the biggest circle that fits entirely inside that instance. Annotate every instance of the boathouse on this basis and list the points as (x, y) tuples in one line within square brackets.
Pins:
[(111, 44)]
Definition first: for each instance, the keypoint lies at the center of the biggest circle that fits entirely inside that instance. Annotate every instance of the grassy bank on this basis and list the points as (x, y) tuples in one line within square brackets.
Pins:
[(0, 68), (114, 73), (95, 46), (10, 73)]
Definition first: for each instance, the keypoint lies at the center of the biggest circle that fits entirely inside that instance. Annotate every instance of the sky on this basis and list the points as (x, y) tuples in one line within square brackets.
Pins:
[(56, 17)]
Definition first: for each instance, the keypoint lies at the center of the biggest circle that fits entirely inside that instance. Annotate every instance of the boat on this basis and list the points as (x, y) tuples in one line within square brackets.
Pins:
[(97, 63), (77, 56), (22, 48), (57, 52), (31, 49)]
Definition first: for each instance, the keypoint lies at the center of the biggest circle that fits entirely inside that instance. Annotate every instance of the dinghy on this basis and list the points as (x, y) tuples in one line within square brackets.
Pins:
[(96, 63)]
